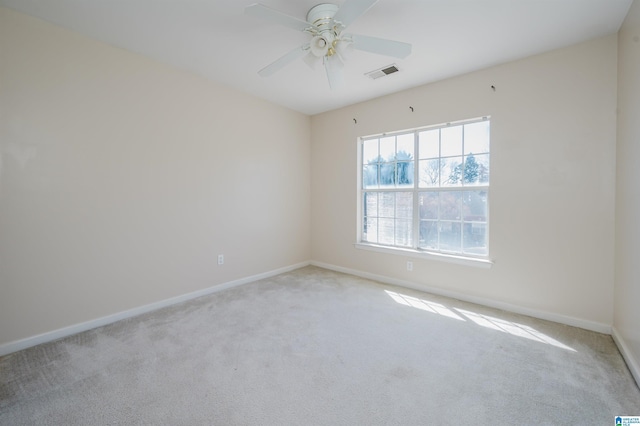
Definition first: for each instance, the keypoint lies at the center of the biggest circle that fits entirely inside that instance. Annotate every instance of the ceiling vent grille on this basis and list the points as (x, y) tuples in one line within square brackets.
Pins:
[(382, 72)]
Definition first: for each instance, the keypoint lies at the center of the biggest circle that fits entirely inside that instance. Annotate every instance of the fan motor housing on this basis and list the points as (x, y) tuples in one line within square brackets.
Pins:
[(322, 14)]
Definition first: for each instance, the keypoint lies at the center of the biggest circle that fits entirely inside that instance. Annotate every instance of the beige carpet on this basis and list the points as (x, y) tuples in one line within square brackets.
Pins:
[(315, 347)]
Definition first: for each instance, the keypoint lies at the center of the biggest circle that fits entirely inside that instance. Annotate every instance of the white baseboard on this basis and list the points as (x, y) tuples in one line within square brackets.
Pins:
[(50, 336), (627, 354), (562, 319)]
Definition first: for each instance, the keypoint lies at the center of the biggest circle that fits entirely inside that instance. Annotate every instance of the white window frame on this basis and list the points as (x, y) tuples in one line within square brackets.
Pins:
[(415, 251)]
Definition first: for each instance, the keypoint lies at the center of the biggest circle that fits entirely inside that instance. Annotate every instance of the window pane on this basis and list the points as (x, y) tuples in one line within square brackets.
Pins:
[(450, 205), (483, 169), (370, 176), (429, 205), (450, 236), (451, 141), (385, 231), (404, 205), (475, 234), (451, 171), (429, 173), (404, 171), (475, 206), (404, 160), (429, 234), (406, 145), (386, 206), (387, 175), (370, 151), (370, 204), (404, 232), (476, 138), (388, 148), (471, 174), (370, 231), (429, 144), (475, 238)]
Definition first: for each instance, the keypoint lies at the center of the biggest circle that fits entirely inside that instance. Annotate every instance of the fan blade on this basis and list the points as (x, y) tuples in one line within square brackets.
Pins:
[(285, 60), (261, 11), (333, 66), (381, 46), (352, 10), (344, 48)]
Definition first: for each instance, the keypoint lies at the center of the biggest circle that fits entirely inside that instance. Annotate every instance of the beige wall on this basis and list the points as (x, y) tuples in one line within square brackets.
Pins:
[(121, 179), (627, 285), (553, 123)]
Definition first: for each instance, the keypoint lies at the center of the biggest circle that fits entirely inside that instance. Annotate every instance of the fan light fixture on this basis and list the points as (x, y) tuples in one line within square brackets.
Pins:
[(319, 46), (326, 31)]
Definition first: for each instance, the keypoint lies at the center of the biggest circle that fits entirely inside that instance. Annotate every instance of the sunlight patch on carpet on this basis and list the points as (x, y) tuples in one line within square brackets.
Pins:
[(498, 324), (425, 305), (513, 328)]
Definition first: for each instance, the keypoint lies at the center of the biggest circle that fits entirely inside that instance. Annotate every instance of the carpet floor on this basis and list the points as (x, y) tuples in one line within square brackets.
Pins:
[(317, 347)]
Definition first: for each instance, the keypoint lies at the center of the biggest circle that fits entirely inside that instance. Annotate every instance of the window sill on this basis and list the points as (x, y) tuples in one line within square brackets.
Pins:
[(449, 258)]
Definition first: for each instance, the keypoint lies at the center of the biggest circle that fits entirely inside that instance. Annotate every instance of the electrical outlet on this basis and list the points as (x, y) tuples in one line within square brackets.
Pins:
[(221, 259), (409, 265)]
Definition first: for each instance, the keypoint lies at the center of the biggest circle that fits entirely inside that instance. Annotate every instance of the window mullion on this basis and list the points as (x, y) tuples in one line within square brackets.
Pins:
[(439, 187), (462, 221), (462, 178), (416, 192)]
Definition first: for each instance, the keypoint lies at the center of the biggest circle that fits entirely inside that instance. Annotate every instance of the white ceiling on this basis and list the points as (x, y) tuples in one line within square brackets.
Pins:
[(215, 39)]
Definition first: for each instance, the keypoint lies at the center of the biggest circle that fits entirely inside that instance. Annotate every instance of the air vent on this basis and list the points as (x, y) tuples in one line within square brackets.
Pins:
[(382, 72)]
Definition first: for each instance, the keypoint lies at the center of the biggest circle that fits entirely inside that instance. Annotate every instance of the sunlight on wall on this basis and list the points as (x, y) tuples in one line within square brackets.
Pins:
[(498, 324)]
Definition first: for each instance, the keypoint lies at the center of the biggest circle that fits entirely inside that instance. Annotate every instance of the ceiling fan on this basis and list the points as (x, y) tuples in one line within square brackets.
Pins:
[(329, 44)]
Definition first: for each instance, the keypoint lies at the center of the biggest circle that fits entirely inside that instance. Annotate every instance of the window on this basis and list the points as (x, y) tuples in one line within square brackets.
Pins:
[(428, 189)]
